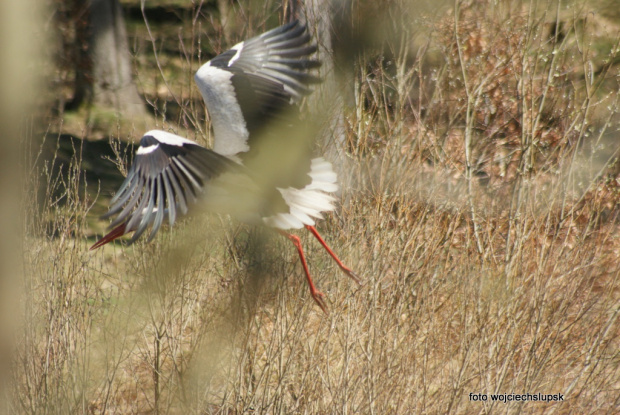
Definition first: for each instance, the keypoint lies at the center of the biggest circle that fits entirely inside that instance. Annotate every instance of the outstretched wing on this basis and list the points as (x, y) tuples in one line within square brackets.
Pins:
[(167, 175), (255, 83)]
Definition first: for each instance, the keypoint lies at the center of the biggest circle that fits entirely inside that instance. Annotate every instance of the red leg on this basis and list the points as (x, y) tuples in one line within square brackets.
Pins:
[(343, 267), (317, 295), (112, 235)]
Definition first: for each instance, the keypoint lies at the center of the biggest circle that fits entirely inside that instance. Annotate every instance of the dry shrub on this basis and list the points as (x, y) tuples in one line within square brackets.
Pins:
[(479, 203)]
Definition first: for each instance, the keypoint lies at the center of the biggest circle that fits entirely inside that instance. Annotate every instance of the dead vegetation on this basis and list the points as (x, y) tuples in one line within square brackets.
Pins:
[(479, 202)]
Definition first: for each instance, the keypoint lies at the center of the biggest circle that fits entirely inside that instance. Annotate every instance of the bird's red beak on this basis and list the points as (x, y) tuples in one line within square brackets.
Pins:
[(112, 235)]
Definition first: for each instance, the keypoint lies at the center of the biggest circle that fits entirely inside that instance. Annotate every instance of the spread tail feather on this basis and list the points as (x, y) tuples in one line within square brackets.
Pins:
[(307, 203)]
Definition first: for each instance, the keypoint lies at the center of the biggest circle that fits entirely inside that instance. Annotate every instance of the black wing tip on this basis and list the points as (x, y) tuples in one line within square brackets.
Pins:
[(283, 28), (287, 32), (107, 215), (299, 64), (298, 52)]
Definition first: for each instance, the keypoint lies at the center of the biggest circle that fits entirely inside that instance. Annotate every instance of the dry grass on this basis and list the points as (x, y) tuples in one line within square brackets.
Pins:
[(479, 203)]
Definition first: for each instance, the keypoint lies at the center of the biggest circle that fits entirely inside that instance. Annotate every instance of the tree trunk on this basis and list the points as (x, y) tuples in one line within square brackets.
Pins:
[(226, 19), (103, 73), (325, 16)]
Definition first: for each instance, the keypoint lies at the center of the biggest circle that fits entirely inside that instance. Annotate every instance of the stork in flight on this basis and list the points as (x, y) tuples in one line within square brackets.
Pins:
[(260, 169)]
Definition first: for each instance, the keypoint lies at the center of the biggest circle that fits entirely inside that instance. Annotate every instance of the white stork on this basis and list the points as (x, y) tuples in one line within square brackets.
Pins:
[(252, 93)]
